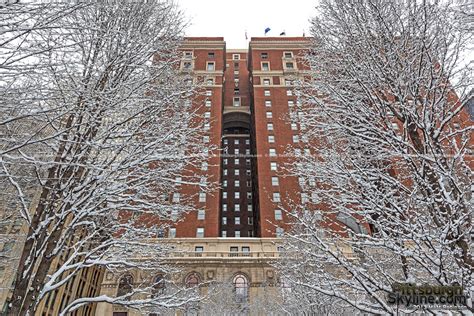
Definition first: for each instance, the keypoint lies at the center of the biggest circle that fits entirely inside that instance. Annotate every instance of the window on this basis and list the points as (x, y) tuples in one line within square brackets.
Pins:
[(236, 91), (250, 221), (291, 103), (289, 93), (188, 55), (271, 138), (192, 280), (237, 207), (187, 65), (224, 220), (224, 233), (237, 183), (236, 64), (265, 66), (236, 101), (304, 138), (269, 115), (246, 251), (279, 232), (247, 151), (264, 55), (289, 82), (266, 82), (205, 139), (200, 232), (224, 207), (249, 195), (125, 286), (208, 92), (272, 152), (226, 141), (395, 126), (268, 103), (201, 214), (225, 172), (273, 166), (278, 215), (270, 126), (247, 172), (288, 54), (224, 195), (241, 287), (236, 142), (275, 181), (247, 161), (247, 142), (207, 126), (237, 172), (236, 56), (294, 127), (304, 198), (266, 93), (314, 197), (236, 151), (207, 114), (224, 183), (237, 233), (296, 139), (237, 221), (236, 161), (237, 195), (172, 232), (225, 161), (176, 197), (276, 197), (210, 66), (289, 65), (210, 82), (204, 166)]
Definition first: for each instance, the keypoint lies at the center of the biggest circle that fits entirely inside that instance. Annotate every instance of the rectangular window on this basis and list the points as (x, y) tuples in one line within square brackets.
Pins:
[(247, 162), (187, 65), (266, 82), (289, 92), (237, 195), (226, 141), (225, 172), (304, 138), (237, 221), (224, 195), (289, 65), (304, 198), (224, 207), (207, 126), (268, 103), (236, 142), (200, 232), (294, 127), (247, 142), (210, 82), (264, 55), (271, 138), (224, 220), (188, 55), (204, 166), (210, 66), (236, 101), (237, 207), (224, 233), (236, 172), (288, 54), (210, 54), (205, 139), (247, 151), (237, 233), (266, 93), (270, 126), (207, 114), (247, 172), (236, 64), (201, 214), (236, 91), (249, 195), (176, 197), (295, 138), (172, 232), (250, 220), (273, 166), (269, 115), (236, 151), (225, 161), (272, 152), (279, 232), (265, 66), (236, 56), (276, 197), (291, 103), (278, 215), (236, 161), (224, 183), (275, 181), (237, 183), (202, 197)]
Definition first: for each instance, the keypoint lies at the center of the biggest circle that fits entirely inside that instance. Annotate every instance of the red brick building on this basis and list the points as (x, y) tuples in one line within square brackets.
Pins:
[(246, 107)]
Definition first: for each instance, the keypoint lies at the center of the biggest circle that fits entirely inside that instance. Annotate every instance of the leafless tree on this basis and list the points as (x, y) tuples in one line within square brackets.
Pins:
[(389, 176), (96, 126)]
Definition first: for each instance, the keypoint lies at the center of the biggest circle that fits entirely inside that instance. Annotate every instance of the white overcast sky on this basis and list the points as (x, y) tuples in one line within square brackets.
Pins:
[(231, 19)]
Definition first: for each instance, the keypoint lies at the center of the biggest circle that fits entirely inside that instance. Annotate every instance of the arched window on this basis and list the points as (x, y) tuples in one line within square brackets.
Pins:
[(241, 287), (192, 280), (159, 285), (125, 285)]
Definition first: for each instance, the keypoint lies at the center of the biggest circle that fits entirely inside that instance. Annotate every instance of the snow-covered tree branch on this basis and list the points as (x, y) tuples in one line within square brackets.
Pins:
[(391, 167), (96, 124)]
